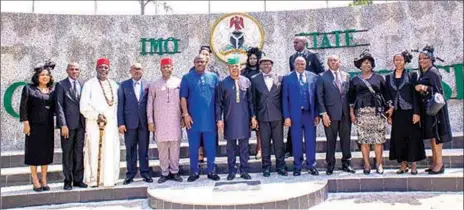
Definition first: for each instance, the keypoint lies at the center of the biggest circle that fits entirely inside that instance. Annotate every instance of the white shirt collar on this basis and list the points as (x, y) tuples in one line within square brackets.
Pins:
[(72, 80), (134, 81)]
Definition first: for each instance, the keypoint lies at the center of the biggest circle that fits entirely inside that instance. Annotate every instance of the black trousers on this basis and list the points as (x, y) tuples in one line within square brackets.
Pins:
[(73, 155), (288, 145), (137, 140), (343, 129), (244, 157), (272, 131)]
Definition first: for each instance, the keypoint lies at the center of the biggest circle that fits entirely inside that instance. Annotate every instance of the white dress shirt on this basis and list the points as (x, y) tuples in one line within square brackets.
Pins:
[(78, 86), (268, 80), (298, 75), (137, 88)]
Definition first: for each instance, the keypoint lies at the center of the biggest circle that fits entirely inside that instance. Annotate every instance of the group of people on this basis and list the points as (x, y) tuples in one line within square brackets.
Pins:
[(91, 116)]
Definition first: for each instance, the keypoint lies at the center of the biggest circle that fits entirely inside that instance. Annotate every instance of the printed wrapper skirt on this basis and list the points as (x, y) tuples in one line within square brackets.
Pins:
[(370, 126)]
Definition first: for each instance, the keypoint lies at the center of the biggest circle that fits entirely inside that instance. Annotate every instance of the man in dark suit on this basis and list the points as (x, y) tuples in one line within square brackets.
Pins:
[(132, 122), (301, 115), (72, 125), (313, 64), (267, 103), (334, 108)]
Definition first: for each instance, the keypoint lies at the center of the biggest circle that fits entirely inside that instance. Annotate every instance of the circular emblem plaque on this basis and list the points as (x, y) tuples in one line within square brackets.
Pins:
[(234, 34)]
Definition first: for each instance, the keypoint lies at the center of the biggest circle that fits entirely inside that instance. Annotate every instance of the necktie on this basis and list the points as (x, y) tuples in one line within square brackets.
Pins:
[(301, 79), (337, 81), (237, 92), (75, 89)]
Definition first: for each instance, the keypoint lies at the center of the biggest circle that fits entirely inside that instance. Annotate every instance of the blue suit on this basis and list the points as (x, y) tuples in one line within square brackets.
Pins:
[(133, 114), (300, 105)]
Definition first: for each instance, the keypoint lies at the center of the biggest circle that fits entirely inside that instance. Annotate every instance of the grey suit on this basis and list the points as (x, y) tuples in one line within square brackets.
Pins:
[(335, 102), (68, 114), (267, 105)]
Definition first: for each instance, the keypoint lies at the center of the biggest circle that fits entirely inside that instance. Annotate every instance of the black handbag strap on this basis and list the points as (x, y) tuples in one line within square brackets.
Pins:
[(367, 84)]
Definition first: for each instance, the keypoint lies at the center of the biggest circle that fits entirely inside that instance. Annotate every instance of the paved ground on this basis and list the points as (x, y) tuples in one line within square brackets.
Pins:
[(345, 201)]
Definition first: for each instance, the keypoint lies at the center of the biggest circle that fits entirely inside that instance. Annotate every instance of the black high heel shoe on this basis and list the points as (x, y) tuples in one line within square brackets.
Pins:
[(367, 171), (37, 189), (441, 171), (379, 169), (44, 188)]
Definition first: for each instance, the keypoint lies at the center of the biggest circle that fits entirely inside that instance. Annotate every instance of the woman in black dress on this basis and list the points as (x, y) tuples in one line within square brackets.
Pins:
[(36, 113), (366, 112), (406, 144), (436, 128), (251, 69)]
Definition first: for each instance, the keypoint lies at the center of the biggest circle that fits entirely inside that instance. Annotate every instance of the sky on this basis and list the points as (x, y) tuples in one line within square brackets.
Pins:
[(178, 7)]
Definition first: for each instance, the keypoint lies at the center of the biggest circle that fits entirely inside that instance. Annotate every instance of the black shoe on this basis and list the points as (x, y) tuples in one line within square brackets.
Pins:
[(414, 172), (367, 171), (330, 169), (296, 173), (266, 173), (80, 185), (401, 171), (314, 171), (37, 189), (67, 186), (176, 177), (282, 172), (214, 177), (428, 170), (379, 169), (231, 176), (127, 181), (148, 179), (245, 176), (45, 188), (441, 171), (348, 168), (193, 177), (288, 154), (163, 179)]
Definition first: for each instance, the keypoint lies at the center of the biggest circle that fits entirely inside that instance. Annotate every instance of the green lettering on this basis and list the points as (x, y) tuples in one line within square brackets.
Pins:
[(143, 42), (156, 46), (325, 42), (175, 47), (314, 34), (337, 38), (349, 37), (458, 76), (7, 99)]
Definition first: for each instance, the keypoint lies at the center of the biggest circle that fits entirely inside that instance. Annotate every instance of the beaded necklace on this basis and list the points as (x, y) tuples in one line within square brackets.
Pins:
[(110, 103)]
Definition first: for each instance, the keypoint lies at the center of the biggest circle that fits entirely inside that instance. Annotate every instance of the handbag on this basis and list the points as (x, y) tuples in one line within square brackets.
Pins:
[(435, 103), (378, 98)]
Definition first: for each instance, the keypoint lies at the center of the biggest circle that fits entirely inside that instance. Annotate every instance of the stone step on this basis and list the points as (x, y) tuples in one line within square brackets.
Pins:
[(453, 158), (339, 182), (16, 158)]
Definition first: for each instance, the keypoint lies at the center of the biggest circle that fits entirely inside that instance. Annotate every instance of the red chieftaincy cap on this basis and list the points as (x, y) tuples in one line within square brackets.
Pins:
[(166, 61), (103, 61)]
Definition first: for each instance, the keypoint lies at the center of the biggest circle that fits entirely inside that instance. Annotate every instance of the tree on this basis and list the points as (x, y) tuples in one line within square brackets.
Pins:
[(143, 4), (360, 2)]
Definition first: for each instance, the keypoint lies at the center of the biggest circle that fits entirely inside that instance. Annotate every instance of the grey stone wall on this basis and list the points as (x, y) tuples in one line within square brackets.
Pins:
[(29, 38)]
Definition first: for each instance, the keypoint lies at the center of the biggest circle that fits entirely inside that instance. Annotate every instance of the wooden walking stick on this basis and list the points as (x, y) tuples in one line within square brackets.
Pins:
[(101, 126)]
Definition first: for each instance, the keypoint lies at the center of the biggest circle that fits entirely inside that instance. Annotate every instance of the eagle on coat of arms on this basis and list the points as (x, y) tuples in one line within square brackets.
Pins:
[(237, 22)]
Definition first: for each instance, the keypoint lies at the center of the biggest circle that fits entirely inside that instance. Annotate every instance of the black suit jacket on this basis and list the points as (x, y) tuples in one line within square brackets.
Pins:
[(313, 61), (330, 99), (267, 104), (67, 106), (406, 89)]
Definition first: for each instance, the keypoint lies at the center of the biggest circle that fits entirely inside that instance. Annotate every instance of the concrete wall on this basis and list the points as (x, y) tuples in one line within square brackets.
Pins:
[(29, 38)]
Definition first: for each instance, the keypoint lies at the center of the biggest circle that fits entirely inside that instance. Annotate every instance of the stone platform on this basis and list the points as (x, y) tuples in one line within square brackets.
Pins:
[(285, 190)]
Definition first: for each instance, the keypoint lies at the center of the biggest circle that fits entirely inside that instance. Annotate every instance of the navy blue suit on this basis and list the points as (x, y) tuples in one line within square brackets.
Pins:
[(133, 115), (300, 105)]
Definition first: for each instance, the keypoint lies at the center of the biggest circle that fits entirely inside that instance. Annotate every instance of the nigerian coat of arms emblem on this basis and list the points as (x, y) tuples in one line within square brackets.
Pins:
[(233, 34)]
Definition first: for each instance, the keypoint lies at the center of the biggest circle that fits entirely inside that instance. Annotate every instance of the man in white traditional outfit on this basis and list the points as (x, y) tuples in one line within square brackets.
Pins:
[(99, 105)]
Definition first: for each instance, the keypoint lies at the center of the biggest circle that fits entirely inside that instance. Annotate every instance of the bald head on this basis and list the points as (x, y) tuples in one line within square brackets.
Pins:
[(73, 70), (136, 71), (200, 63), (299, 43)]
